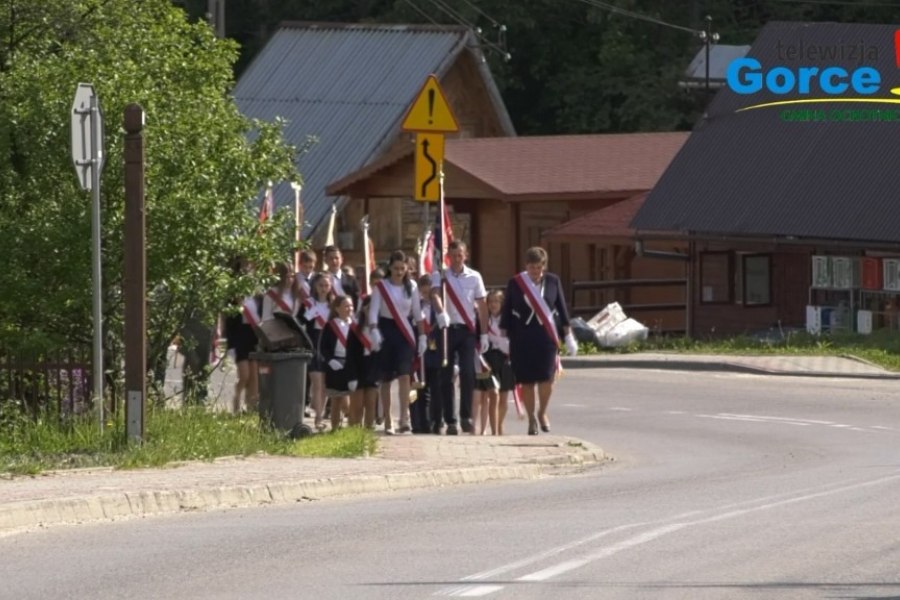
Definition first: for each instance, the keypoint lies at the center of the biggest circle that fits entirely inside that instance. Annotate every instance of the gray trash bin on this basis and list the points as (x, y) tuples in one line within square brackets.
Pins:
[(282, 390), (284, 352)]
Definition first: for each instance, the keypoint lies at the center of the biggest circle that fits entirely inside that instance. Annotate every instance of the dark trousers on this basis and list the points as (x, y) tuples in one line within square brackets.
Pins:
[(460, 351)]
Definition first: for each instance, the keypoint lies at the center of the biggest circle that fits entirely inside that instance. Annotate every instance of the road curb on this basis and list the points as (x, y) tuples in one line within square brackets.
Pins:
[(683, 365), (19, 516)]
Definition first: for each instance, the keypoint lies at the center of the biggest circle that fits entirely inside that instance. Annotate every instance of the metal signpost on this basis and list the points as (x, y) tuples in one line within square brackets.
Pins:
[(87, 155)]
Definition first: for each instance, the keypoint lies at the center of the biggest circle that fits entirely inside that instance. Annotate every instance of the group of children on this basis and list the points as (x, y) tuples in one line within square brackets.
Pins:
[(359, 351)]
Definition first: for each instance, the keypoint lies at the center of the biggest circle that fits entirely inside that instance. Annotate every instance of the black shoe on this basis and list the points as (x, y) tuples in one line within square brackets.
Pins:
[(532, 427), (452, 430), (436, 428), (467, 426)]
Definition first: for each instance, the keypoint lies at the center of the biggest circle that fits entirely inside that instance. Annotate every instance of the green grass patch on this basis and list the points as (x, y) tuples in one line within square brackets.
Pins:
[(880, 347), (29, 446)]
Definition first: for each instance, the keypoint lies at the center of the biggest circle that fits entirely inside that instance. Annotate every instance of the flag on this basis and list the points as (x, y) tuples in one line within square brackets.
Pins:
[(268, 205), (443, 234), (329, 233), (426, 253)]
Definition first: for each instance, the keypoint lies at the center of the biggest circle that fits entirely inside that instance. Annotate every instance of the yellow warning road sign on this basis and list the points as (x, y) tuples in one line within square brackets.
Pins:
[(429, 156), (430, 111)]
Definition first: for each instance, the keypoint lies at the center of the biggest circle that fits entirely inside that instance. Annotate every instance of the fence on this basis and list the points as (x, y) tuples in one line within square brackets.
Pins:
[(59, 380)]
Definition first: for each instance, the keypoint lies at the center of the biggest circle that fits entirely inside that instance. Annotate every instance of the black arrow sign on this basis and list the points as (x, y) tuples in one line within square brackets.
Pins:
[(433, 175)]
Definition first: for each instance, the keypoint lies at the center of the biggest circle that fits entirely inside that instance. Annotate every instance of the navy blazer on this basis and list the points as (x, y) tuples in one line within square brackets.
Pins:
[(516, 312)]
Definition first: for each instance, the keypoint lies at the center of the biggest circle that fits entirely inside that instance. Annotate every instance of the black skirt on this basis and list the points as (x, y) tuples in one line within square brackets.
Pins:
[(396, 353), (501, 369)]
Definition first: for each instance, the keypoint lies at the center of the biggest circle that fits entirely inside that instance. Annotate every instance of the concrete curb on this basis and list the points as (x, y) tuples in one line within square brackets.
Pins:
[(19, 516), (720, 366)]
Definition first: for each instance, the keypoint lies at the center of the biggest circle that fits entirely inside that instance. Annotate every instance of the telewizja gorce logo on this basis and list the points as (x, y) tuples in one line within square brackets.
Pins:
[(807, 74)]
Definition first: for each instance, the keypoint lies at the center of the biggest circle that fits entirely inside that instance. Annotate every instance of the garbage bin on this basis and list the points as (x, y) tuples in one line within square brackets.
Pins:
[(283, 352), (282, 390)]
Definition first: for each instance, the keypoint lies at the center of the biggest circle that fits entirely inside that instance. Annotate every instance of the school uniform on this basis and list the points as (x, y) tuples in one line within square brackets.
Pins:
[(400, 339), (359, 351), (334, 346), (314, 319), (425, 412), (462, 338), (497, 357), (534, 355), (277, 300), (345, 285), (240, 328)]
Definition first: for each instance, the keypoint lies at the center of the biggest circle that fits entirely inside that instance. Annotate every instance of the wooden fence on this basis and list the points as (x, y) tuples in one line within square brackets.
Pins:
[(59, 380)]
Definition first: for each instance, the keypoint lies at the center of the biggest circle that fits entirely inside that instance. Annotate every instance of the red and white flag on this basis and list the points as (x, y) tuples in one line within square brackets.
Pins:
[(268, 205)]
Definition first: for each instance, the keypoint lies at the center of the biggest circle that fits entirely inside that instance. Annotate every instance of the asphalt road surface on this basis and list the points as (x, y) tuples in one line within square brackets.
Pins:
[(724, 486)]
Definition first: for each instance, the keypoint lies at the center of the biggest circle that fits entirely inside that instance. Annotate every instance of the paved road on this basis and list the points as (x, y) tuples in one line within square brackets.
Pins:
[(724, 486)]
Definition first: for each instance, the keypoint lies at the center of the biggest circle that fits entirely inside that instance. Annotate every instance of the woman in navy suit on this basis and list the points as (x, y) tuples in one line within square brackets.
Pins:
[(534, 318)]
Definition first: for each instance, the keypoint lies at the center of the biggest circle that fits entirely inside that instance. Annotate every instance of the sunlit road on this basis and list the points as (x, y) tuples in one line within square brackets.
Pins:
[(725, 486)]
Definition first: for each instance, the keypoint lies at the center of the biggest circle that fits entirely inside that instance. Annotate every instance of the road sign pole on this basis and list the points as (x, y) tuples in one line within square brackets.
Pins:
[(96, 157)]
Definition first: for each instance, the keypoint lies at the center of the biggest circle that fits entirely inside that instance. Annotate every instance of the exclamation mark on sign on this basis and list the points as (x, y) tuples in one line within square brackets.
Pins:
[(431, 104), (896, 90)]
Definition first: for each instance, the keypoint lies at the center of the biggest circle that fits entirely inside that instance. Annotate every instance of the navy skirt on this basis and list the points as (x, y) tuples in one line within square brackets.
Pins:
[(501, 370), (316, 365), (532, 354), (396, 353)]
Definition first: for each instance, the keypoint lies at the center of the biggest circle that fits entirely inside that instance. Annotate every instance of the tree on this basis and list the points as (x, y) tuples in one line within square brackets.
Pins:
[(205, 165)]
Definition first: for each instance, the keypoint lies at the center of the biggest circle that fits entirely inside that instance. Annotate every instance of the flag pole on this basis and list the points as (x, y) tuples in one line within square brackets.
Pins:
[(443, 251), (298, 223), (368, 267)]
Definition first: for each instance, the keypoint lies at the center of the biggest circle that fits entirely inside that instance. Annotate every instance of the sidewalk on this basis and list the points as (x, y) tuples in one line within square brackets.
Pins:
[(802, 366), (401, 463)]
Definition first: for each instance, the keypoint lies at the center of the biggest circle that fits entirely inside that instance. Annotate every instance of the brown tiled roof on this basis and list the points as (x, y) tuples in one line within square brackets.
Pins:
[(567, 164), (611, 221), (551, 167)]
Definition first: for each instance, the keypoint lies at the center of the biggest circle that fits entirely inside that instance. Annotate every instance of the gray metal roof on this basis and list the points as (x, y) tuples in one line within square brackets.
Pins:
[(349, 86), (755, 173)]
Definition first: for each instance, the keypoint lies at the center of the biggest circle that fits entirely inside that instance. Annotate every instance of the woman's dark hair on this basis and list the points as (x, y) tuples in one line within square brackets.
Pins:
[(336, 304), (313, 282), (400, 256)]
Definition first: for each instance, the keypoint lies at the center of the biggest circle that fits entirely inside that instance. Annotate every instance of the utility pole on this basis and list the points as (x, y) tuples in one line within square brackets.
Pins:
[(215, 14)]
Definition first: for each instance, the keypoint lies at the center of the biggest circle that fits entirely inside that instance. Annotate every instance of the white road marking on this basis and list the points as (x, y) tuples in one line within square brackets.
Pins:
[(675, 412), (731, 511), (620, 408), (575, 405), (653, 534)]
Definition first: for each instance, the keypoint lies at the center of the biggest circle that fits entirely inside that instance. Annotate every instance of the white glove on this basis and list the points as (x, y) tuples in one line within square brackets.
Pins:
[(571, 345), (423, 344), (443, 320), (351, 385), (335, 364), (376, 339), (483, 343)]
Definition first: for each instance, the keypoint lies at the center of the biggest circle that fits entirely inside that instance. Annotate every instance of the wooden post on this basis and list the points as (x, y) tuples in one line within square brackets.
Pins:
[(135, 277)]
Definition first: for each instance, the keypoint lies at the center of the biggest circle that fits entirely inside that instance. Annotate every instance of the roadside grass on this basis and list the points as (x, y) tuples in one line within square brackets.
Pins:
[(880, 347), (31, 445)]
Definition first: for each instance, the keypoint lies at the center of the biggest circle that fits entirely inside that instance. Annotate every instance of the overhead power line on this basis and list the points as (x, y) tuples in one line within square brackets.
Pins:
[(640, 17)]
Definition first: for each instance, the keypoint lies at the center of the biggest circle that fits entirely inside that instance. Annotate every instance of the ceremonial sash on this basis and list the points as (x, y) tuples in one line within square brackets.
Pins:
[(318, 318), (403, 324), (277, 299), (303, 292), (539, 306), (426, 321), (249, 310), (342, 339), (456, 299), (360, 334)]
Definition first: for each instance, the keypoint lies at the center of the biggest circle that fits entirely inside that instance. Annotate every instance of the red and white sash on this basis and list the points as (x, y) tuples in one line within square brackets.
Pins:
[(538, 305), (279, 301), (455, 292), (303, 292), (361, 335), (250, 310), (335, 325), (403, 324)]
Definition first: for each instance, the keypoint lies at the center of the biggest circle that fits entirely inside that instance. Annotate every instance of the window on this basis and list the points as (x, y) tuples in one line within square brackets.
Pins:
[(756, 280), (715, 277)]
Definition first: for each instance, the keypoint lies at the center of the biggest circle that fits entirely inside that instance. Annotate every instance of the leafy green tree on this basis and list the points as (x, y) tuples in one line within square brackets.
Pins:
[(205, 165)]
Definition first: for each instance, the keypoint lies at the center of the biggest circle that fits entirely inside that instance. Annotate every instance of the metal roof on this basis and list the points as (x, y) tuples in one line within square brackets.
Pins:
[(755, 173), (720, 56), (349, 86)]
